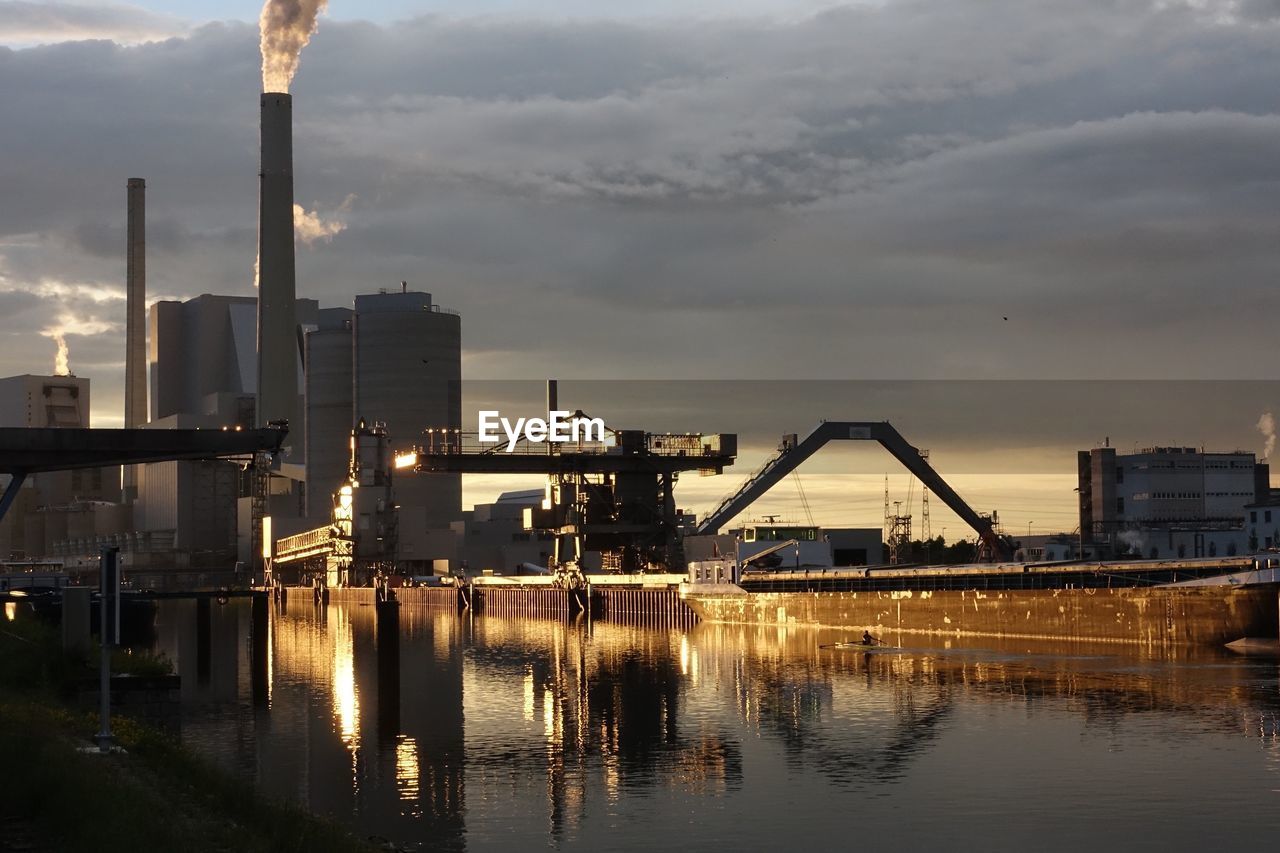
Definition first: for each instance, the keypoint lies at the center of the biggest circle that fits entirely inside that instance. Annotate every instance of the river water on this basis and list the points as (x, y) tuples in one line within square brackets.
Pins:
[(490, 733)]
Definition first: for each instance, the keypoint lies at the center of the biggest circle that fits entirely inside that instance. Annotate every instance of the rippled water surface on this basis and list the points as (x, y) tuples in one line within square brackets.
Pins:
[(494, 733)]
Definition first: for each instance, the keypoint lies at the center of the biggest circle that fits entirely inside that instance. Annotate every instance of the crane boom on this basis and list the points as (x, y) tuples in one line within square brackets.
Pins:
[(792, 455)]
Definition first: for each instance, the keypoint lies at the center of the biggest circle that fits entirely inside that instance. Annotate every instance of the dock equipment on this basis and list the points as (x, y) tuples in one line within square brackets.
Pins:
[(31, 450), (613, 496), (792, 453)]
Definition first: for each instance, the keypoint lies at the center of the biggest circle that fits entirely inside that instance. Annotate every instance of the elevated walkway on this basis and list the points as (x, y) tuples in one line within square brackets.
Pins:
[(30, 450)]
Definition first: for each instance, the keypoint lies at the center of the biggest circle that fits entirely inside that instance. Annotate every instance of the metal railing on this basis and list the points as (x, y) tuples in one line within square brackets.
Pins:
[(314, 541), (453, 442)]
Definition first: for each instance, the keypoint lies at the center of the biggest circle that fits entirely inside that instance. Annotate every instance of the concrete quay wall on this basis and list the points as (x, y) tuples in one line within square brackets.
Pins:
[(1150, 616)]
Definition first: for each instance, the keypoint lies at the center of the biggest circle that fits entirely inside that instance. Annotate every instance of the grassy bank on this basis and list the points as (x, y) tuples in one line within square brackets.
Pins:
[(156, 796)]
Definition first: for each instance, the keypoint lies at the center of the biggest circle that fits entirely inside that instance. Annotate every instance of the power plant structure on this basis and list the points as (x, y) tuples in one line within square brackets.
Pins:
[(279, 336), (395, 358), (278, 339), (135, 359)]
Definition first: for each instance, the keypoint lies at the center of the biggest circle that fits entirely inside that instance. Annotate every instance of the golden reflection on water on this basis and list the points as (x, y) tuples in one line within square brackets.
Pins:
[(408, 776), (551, 728), (346, 699)]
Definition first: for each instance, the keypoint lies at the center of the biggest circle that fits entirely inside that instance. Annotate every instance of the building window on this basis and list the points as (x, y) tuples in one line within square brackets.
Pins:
[(1119, 473), (1119, 506), (1267, 516), (1253, 516)]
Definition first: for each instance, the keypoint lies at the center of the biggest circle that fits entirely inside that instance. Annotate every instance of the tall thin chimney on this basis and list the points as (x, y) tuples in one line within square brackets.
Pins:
[(135, 353), (277, 319)]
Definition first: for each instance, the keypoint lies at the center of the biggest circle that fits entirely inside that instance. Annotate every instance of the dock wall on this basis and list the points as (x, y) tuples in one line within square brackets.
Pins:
[(656, 606), (1150, 616)]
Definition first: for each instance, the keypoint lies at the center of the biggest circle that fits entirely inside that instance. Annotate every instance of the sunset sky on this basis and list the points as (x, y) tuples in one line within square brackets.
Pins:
[(1010, 191)]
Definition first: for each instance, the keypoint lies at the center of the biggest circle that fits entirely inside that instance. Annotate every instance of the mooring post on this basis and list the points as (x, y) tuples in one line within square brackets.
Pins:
[(259, 631), (204, 634), (387, 630), (109, 635)]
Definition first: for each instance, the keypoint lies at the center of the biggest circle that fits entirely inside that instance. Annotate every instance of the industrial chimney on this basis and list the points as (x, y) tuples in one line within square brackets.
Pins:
[(135, 353), (277, 320)]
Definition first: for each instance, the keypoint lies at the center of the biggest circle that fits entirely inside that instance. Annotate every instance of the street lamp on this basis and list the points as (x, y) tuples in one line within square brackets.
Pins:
[(1028, 529)]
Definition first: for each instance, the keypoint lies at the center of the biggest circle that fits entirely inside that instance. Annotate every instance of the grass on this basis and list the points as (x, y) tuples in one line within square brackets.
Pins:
[(156, 796)]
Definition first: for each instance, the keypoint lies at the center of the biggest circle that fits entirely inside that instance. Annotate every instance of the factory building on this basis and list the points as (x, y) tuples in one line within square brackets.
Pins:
[(203, 374), (203, 358), (394, 360), (330, 413), (407, 371), (765, 545), (1168, 501), (493, 537), (44, 401), (1263, 523), (54, 509)]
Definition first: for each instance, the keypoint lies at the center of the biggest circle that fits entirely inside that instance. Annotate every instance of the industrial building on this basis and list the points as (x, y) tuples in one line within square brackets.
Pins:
[(494, 537), (203, 364), (54, 508), (1168, 501), (203, 357), (395, 360), (1263, 523)]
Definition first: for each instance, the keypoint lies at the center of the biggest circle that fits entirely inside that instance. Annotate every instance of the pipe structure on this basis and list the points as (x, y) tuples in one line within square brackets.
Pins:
[(277, 318)]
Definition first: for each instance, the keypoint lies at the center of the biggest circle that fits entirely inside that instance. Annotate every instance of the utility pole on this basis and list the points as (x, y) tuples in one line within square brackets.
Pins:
[(108, 635)]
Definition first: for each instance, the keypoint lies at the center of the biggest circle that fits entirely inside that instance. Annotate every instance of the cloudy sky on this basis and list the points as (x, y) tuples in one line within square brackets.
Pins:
[(711, 190)]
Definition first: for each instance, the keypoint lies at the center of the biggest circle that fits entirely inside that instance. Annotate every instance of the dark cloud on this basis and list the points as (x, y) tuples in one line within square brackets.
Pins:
[(865, 192), (1259, 10)]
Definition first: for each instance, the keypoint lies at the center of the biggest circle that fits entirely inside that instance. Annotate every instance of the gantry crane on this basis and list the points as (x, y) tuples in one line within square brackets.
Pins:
[(793, 453)]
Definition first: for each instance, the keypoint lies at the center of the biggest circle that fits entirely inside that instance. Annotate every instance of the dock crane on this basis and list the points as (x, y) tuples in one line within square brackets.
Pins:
[(793, 453)]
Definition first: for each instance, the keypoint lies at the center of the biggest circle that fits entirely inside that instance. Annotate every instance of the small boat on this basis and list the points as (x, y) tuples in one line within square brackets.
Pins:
[(865, 647)]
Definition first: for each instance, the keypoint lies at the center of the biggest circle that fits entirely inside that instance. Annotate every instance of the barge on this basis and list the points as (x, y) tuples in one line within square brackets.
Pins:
[(1148, 602)]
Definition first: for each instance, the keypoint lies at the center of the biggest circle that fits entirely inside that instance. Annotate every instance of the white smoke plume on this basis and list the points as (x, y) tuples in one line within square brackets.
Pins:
[(61, 361), (310, 226), (286, 27), (70, 325), (1267, 426)]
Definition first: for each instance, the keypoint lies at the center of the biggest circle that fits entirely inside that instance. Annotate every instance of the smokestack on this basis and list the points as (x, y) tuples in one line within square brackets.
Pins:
[(277, 319), (135, 356), (135, 336)]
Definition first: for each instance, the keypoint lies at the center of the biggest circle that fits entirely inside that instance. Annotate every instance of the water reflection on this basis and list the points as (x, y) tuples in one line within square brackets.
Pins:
[(450, 733)]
